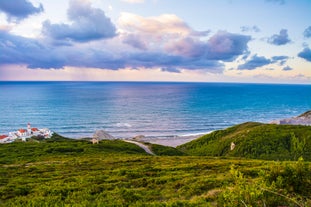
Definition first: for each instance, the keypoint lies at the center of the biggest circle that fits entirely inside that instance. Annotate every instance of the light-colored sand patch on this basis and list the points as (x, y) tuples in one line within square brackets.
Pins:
[(170, 141)]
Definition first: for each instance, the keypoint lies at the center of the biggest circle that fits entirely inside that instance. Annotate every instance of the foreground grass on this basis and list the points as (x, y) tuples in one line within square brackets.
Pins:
[(118, 180), (61, 172)]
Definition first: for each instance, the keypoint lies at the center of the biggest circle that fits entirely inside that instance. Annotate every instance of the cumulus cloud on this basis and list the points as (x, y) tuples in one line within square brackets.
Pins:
[(164, 42), (186, 47), (150, 32), (222, 46), (170, 35), (88, 24), (19, 50), (255, 62), (307, 32), (287, 68), (135, 41), (279, 39), (36, 54), (259, 61), (250, 29), (227, 46), (19, 9), (165, 23), (281, 60), (305, 54)]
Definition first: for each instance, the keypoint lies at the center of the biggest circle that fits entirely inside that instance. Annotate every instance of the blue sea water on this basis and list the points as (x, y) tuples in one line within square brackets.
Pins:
[(127, 109)]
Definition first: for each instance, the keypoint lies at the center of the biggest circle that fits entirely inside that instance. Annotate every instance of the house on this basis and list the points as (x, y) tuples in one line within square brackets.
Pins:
[(3, 138), (22, 132), (46, 132), (35, 131), (95, 140)]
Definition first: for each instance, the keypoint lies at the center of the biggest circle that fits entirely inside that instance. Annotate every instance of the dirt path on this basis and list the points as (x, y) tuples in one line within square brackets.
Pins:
[(146, 148)]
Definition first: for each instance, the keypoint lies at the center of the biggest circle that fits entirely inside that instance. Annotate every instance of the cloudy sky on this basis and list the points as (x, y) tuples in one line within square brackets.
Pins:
[(156, 40)]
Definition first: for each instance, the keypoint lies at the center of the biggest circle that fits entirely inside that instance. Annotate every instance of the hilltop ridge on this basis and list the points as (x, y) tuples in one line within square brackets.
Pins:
[(254, 140)]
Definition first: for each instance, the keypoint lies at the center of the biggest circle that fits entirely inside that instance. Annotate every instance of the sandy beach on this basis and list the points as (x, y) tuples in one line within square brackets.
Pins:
[(170, 141)]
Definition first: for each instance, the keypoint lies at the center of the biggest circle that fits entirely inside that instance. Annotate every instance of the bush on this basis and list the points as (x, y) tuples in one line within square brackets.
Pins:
[(283, 185)]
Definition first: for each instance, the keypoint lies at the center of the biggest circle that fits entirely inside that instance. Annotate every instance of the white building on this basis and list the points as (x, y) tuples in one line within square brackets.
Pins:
[(23, 134)]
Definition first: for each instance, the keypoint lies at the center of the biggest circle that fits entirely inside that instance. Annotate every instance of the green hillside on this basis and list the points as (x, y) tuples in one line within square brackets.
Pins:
[(67, 172), (256, 141)]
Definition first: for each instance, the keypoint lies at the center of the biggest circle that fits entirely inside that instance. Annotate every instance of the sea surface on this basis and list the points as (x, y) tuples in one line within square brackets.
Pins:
[(153, 109)]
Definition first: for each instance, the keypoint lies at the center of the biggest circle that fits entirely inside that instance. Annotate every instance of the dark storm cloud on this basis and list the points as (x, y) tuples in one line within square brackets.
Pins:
[(307, 32), (305, 54), (280, 39), (88, 24), (19, 9), (255, 62)]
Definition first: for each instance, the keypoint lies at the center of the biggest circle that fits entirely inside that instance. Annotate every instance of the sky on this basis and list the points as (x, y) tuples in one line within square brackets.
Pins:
[(258, 41)]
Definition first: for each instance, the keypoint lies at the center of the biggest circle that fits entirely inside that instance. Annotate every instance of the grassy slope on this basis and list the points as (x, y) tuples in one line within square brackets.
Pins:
[(64, 172), (34, 150), (118, 180), (255, 140)]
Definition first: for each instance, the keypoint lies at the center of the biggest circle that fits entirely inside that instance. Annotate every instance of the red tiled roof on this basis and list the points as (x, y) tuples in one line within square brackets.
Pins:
[(34, 129), (22, 130), (3, 136)]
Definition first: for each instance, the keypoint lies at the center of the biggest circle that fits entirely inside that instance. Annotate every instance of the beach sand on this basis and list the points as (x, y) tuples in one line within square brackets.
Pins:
[(170, 141)]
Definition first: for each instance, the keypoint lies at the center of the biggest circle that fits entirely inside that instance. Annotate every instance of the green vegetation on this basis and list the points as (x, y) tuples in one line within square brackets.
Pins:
[(164, 150), (33, 150), (256, 141), (67, 172)]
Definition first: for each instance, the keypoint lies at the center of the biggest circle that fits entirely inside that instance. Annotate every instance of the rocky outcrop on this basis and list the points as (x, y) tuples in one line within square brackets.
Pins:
[(101, 135), (303, 119)]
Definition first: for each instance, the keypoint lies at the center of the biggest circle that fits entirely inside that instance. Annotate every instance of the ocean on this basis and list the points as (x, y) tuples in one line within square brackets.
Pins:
[(153, 109)]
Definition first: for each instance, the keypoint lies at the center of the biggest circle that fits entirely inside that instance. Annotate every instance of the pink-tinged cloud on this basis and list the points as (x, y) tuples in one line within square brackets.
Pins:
[(168, 24), (227, 46), (164, 42), (169, 34), (186, 47)]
